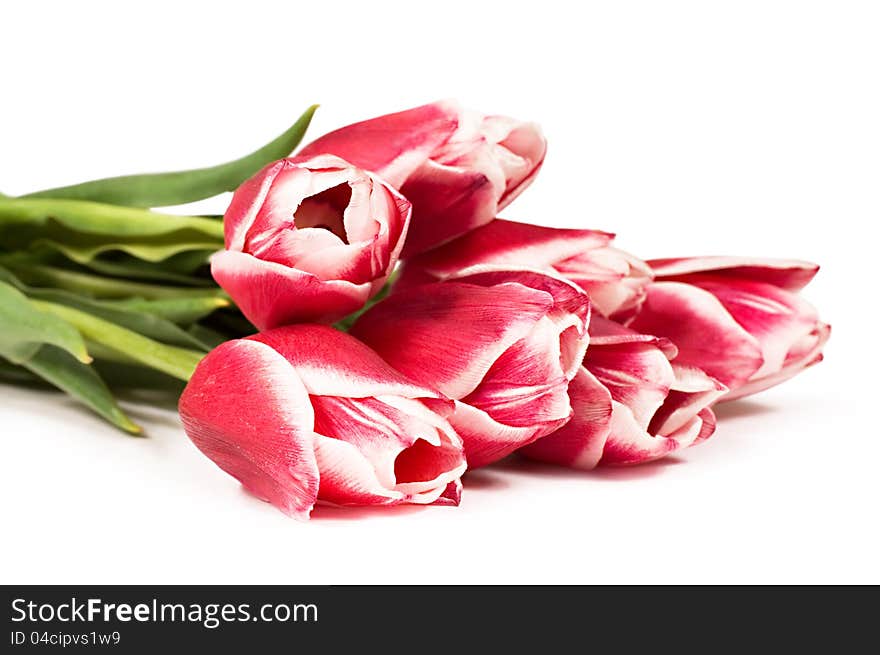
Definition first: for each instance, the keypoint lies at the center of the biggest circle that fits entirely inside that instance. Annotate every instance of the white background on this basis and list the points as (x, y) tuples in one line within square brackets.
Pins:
[(685, 127)]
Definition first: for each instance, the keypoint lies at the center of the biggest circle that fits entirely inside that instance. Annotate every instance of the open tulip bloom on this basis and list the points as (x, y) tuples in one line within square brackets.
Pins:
[(306, 413), (309, 241), (405, 332)]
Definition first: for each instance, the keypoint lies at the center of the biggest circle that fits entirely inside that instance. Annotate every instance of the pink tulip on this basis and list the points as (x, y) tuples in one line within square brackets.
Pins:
[(631, 404), (503, 344), (457, 167), (308, 414), (615, 280), (740, 320), (309, 241)]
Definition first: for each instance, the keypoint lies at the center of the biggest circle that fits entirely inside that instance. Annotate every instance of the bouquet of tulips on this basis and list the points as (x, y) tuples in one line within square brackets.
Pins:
[(360, 328)]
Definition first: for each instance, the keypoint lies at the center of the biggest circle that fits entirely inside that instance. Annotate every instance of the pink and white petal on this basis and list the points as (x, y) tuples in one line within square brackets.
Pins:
[(271, 294), (615, 280), (628, 443), (347, 477), (447, 202), (569, 301), (411, 449), (507, 243), (394, 145), (809, 352), (790, 274), (707, 429), (293, 192), (246, 203), (448, 335), (526, 385), (636, 373), (451, 496), (691, 393), (775, 317), (527, 143), (705, 333), (358, 263), (570, 312), (580, 442), (249, 412), (604, 331), (333, 363), (486, 440)]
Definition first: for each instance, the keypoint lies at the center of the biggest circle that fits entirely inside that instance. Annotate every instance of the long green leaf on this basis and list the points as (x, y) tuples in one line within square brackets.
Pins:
[(178, 362), (154, 250), (24, 328), (128, 317), (80, 381), (99, 286), (98, 219), (178, 188), (124, 266), (182, 311)]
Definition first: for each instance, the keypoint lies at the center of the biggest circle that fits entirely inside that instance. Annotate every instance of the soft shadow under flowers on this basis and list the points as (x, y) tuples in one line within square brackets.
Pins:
[(741, 409), (521, 465)]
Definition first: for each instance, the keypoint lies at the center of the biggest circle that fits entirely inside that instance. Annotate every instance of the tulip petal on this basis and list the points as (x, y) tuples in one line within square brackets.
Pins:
[(615, 280), (570, 312), (526, 386), (807, 352), (333, 363), (247, 410), (635, 370), (507, 243), (789, 274), (486, 440), (246, 203), (629, 443), (399, 451), (394, 145), (528, 144), (580, 442), (451, 495), (448, 201), (271, 294), (448, 335), (706, 335), (692, 391), (775, 317)]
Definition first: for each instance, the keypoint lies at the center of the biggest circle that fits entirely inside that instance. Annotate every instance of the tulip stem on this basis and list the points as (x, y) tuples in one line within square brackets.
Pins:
[(346, 323), (177, 362)]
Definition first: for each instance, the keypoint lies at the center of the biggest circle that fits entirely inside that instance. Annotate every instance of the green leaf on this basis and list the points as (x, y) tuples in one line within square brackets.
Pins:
[(83, 251), (24, 328), (26, 219), (207, 336), (175, 361), (166, 189), (125, 266), (122, 377), (98, 286), (139, 321), (182, 311), (80, 381)]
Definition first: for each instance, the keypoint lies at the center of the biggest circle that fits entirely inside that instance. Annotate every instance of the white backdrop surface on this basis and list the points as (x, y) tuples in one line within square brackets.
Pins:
[(684, 127)]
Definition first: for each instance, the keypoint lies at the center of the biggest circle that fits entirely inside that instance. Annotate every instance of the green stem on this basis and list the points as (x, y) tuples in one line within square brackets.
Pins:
[(177, 362)]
